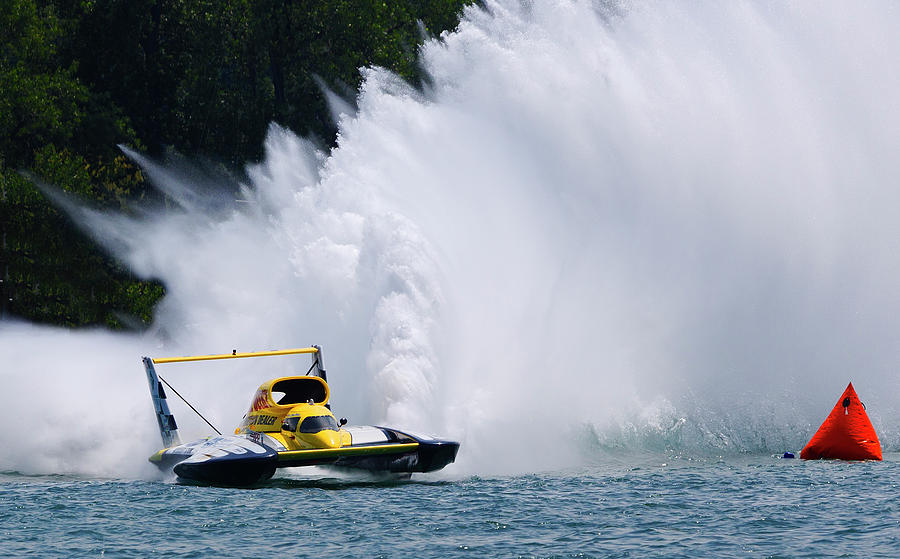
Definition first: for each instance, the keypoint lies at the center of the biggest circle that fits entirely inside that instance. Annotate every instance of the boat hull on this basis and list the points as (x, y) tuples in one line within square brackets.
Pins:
[(252, 458)]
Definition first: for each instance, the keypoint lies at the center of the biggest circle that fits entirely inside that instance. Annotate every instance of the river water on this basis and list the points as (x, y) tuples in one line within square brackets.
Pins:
[(635, 506)]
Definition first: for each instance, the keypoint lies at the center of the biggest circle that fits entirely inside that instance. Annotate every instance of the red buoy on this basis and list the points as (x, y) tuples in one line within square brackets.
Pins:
[(846, 434)]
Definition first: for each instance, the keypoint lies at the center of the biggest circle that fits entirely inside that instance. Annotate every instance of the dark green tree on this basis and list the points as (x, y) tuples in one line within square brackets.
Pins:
[(196, 77), (50, 272)]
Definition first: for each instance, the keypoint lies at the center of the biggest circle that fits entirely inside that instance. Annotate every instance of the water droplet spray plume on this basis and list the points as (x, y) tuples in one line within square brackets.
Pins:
[(599, 227)]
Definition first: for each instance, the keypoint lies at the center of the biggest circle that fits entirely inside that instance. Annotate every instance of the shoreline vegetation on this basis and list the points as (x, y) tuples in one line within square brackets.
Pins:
[(195, 78)]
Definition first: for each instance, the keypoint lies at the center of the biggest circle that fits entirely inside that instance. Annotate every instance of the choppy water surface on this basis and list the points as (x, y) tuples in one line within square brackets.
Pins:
[(757, 506)]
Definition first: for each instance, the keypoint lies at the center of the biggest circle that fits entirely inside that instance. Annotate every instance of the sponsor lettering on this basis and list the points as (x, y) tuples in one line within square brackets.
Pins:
[(259, 401), (262, 420)]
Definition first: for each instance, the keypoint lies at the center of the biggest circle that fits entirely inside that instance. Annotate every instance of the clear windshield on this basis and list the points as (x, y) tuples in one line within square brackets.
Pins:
[(290, 424), (316, 423)]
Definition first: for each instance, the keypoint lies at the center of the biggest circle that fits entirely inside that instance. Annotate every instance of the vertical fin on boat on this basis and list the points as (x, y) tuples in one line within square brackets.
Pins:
[(167, 427), (318, 364)]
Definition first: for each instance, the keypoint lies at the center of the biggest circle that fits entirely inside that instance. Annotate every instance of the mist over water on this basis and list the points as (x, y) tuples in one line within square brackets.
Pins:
[(600, 228)]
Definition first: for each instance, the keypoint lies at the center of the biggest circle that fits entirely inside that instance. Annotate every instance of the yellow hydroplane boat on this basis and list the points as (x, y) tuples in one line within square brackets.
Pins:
[(289, 423)]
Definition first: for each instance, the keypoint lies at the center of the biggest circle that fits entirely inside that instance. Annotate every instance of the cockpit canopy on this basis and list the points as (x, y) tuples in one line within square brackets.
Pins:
[(310, 424), (297, 390), (277, 397)]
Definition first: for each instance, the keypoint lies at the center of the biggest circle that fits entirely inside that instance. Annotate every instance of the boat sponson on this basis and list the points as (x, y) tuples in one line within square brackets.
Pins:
[(234, 470), (406, 457), (434, 455), (427, 456)]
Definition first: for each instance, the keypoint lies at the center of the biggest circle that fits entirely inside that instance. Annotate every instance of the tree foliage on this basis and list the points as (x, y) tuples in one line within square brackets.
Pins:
[(196, 77)]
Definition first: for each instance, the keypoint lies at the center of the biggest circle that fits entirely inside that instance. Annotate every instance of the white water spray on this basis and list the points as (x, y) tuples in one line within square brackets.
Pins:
[(658, 226)]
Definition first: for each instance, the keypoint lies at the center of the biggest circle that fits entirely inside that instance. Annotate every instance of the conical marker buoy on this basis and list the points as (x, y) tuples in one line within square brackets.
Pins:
[(846, 434)]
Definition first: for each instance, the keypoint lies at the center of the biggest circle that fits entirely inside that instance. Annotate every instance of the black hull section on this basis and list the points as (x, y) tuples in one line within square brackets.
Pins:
[(436, 454), (229, 469), (428, 457)]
